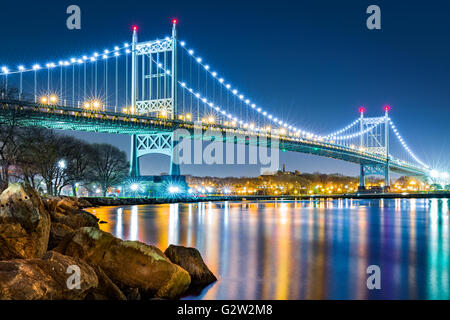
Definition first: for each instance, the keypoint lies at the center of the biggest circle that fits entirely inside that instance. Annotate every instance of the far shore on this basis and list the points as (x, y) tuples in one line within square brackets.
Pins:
[(106, 201)]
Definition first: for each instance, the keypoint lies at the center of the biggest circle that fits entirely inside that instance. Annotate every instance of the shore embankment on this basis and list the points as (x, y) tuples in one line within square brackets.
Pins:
[(106, 201)]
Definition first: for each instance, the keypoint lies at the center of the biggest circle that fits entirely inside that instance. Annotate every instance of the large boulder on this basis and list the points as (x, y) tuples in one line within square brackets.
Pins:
[(191, 260), (58, 232), (129, 264), (50, 203), (45, 279), (67, 204), (76, 219), (24, 224), (106, 289), (67, 211), (83, 203), (62, 204)]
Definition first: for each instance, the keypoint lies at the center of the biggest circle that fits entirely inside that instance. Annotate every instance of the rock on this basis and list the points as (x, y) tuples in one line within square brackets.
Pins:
[(44, 279), (63, 204), (66, 204), (83, 203), (24, 224), (106, 289), (76, 219), (57, 232), (67, 211), (50, 203), (132, 294), (129, 264), (191, 260)]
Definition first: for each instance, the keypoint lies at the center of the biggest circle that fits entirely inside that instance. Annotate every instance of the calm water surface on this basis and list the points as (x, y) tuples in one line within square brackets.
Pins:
[(303, 249)]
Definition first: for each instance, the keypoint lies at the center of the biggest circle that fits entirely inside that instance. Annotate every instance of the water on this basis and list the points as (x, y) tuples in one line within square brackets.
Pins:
[(303, 249)]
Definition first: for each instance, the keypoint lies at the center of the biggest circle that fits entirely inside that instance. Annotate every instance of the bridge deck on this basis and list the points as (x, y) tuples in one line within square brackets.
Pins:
[(28, 114)]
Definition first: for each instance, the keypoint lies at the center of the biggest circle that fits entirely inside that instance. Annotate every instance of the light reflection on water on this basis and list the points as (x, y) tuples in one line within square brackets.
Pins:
[(303, 249)]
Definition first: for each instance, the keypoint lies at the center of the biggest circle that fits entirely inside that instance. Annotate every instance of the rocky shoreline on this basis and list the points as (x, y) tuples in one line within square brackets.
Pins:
[(50, 249)]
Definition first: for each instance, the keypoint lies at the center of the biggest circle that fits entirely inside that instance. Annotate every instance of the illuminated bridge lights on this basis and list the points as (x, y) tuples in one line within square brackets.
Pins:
[(94, 104), (221, 119), (51, 99), (241, 97), (150, 123)]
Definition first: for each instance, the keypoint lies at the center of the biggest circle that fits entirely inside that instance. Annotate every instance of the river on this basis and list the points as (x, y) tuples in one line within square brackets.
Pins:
[(314, 249)]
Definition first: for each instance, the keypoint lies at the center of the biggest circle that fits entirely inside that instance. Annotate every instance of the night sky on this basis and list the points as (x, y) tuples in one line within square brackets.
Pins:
[(311, 62)]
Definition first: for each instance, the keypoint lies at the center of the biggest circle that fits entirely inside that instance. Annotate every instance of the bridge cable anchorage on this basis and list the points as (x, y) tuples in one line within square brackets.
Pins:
[(241, 97), (405, 146)]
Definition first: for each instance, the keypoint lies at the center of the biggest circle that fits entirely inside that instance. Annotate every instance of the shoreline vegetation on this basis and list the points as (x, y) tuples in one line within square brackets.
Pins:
[(105, 201), (51, 249)]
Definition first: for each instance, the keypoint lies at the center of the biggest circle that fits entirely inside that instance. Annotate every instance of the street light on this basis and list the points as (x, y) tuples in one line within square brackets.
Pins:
[(36, 67), (21, 69), (62, 164), (5, 72), (96, 104), (434, 174), (53, 99), (49, 99), (173, 189)]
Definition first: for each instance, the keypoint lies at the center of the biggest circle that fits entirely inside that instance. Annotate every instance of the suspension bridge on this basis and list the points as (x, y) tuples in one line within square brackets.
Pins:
[(150, 89)]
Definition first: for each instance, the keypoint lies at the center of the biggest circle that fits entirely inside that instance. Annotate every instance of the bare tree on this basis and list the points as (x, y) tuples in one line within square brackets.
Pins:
[(42, 154), (109, 166), (8, 93), (8, 146), (79, 160)]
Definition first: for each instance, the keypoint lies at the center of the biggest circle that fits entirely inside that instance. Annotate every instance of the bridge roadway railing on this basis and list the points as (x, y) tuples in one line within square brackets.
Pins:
[(78, 119)]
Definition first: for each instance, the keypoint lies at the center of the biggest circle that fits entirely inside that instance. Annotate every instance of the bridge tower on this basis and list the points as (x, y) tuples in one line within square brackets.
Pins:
[(374, 141), (154, 93)]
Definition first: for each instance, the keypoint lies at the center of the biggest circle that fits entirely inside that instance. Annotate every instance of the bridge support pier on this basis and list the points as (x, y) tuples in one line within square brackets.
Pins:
[(373, 169), (174, 157), (134, 159), (387, 182), (161, 143), (362, 178)]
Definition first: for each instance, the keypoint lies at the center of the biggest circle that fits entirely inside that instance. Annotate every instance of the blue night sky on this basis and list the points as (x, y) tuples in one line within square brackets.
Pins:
[(311, 62)]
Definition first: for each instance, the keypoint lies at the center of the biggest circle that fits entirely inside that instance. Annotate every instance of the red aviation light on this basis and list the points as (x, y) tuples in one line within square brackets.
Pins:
[(362, 110), (387, 108), (174, 21), (135, 28)]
